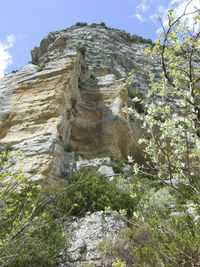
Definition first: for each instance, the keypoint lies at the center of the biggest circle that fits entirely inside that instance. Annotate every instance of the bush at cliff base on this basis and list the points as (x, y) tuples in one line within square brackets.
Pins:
[(29, 235)]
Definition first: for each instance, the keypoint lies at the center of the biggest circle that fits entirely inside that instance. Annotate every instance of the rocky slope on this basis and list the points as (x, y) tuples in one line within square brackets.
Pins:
[(70, 97)]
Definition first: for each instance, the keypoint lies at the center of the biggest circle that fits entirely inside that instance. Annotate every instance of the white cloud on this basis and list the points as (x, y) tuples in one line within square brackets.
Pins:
[(149, 10), (143, 7), (176, 1), (138, 16), (161, 9), (5, 57), (179, 8)]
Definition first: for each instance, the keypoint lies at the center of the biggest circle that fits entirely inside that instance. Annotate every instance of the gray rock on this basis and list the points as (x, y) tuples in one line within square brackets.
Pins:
[(126, 168), (108, 171), (192, 209), (94, 163), (84, 234)]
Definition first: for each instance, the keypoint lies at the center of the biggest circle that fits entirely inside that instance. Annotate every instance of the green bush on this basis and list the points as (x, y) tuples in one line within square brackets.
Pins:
[(117, 167), (134, 38), (138, 39), (93, 25), (6, 147), (161, 242), (174, 242), (37, 244), (40, 67), (81, 24), (103, 24), (90, 191), (117, 247), (126, 36), (118, 76), (93, 76), (67, 148), (29, 234), (137, 104), (14, 71), (43, 246), (133, 94), (158, 202)]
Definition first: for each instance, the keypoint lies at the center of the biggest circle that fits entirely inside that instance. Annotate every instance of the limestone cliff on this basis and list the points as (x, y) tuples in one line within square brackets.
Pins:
[(70, 97)]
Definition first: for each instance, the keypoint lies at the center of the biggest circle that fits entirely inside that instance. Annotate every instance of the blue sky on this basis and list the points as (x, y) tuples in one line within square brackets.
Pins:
[(24, 23)]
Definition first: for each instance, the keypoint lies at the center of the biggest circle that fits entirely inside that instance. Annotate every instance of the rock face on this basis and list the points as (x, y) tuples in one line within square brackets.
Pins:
[(84, 235), (71, 98)]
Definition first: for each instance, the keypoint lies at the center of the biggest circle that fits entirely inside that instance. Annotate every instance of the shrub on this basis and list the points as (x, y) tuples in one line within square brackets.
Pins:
[(120, 61), (137, 103), (29, 235), (157, 202), (126, 36), (138, 39), (43, 246), (40, 67), (14, 71), (67, 148), (118, 76), (6, 147), (117, 247), (93, 76), (133, 94), (170, 243), (90, 191), (93, 25), (81, 24), (103, 24), (117, 167)]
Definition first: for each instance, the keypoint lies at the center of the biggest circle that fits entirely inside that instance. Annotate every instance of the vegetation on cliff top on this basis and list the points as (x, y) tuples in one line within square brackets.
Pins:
[(126, 36)]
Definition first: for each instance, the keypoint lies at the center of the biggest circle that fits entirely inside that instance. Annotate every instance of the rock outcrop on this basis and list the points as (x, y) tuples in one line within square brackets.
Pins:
[(71, 97), (84, 235)]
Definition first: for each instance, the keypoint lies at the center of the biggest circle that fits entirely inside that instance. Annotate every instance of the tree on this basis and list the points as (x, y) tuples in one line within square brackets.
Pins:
[(172, 122), (172, 146)]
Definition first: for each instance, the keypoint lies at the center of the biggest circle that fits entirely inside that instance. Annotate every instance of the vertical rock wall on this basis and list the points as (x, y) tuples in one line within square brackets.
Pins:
[(38, 108), (71, 98)]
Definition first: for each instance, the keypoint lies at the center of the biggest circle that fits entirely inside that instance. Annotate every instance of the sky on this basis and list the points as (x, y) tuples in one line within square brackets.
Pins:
[(24, 23)]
